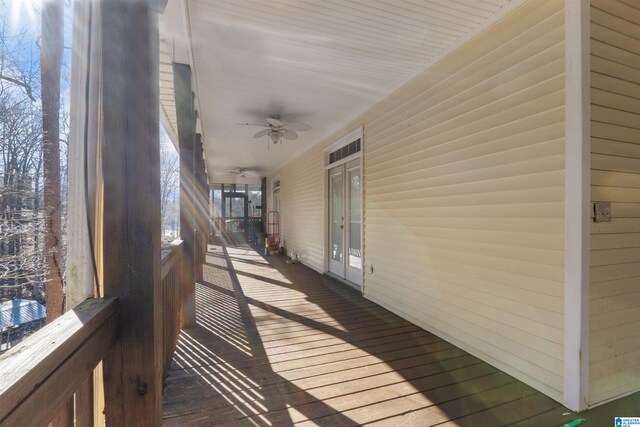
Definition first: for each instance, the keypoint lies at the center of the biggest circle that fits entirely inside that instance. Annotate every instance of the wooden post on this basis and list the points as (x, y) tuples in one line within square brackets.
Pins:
[(131, 209), (263, 202), (205, 207), (201, 208), (186, 135), (209, 195), (223, 228), (206, 194)]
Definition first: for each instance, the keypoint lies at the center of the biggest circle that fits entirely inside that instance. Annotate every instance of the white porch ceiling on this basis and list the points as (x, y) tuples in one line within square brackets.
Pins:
[(312, 61)]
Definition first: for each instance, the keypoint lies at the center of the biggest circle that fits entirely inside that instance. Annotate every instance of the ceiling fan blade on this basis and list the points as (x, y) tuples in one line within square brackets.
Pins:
[(263, 132), (289, 134), (252, 124), (300, 127), (275, 122)]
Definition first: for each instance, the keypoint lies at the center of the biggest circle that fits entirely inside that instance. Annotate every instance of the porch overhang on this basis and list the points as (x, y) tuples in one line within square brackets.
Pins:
[(320, 64)]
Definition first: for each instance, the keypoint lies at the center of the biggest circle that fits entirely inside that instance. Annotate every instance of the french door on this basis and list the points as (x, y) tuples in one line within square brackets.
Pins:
[(345, 221)]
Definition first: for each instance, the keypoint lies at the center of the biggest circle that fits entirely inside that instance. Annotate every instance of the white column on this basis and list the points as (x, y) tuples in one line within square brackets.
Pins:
[(577, 205)]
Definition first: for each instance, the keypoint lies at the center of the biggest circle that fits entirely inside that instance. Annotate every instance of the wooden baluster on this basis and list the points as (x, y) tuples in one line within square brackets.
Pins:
[(85, 404)]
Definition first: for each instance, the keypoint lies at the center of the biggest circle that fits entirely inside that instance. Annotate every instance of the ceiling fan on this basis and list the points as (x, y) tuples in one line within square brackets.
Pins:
[(277, 129), (241, 172)]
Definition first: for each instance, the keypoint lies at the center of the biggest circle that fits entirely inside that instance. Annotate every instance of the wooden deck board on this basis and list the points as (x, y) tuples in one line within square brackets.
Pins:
[(275, 345)]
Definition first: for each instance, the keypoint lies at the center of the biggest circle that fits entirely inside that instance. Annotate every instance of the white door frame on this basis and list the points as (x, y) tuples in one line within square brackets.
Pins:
[(347, 139)]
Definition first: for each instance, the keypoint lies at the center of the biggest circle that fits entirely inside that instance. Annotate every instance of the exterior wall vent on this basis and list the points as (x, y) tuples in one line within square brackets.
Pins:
[(345, 151)]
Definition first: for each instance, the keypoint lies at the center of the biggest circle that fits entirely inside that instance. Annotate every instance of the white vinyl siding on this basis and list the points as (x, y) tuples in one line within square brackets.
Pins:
[(615, 178), (464, 193), (302, 207), (464, 178)]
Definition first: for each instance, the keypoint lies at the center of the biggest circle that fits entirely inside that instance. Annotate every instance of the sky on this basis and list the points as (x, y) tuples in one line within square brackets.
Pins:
[(23, 17), (21, 14)]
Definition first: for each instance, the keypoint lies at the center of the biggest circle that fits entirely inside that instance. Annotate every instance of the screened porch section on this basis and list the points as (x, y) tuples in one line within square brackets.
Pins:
[(237, 213)]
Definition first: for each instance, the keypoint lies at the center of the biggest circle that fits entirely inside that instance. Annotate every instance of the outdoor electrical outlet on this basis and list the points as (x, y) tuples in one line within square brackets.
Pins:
[(602, 211), (371, 269)]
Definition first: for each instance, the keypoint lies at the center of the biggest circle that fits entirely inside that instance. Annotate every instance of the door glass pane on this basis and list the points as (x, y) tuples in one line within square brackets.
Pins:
[(355, 219), (217, 203), (276, 200), (337, 220), (237, 206), (255, 201), (234, 214)]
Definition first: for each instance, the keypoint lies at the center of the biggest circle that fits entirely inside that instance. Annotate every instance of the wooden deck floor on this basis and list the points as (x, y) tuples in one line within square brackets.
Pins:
[(275, 345)]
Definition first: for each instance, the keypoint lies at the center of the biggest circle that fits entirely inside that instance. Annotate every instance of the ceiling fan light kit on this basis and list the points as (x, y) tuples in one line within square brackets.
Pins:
[(276, 136)]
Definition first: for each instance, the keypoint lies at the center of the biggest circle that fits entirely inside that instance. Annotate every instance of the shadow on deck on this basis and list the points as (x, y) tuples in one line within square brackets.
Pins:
[(275, 345)]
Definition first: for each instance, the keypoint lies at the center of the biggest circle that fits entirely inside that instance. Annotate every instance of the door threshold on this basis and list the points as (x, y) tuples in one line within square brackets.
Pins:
[(342, 280)]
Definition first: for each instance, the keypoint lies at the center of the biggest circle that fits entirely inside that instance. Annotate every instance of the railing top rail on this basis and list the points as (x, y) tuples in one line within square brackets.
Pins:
[(170, 248), (170, 255), (39, 361)]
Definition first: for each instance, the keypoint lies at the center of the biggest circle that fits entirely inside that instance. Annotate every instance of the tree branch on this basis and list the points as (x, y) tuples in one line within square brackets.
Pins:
[(19, 83)]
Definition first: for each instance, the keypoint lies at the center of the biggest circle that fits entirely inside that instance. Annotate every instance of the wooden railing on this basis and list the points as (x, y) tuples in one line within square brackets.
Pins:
[(41, 374), (172, 266)]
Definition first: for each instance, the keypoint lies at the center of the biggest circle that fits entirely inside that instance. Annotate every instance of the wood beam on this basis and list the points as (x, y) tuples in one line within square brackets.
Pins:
[(131, 209), (186, 135)]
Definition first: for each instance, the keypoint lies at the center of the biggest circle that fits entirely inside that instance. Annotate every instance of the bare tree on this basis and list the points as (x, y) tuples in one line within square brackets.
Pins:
[(169, 184), (52, 48), (21, 220)]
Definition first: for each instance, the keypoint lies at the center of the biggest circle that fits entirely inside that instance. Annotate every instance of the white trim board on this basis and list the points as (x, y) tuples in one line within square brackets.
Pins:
[(346, 139), (577, 204), (354, 156)]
